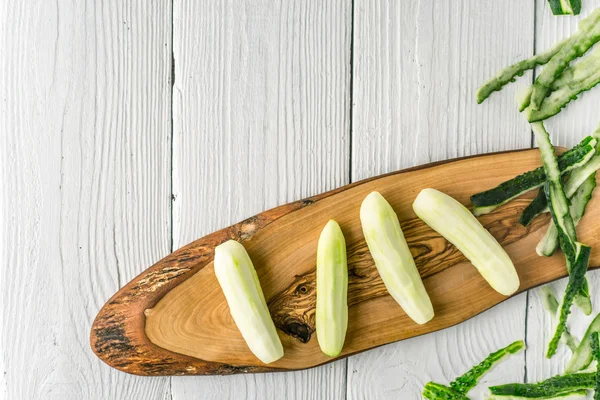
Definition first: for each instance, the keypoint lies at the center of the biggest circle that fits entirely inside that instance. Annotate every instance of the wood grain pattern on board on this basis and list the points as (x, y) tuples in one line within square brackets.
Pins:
[(173, 319)]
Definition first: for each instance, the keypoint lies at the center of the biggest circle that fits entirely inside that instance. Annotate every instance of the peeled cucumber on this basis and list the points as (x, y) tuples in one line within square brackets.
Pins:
[(392, 257), (332, 290), (455, 222), (246, 301)]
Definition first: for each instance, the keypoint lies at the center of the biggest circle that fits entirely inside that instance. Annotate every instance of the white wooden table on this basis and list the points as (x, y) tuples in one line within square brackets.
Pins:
[(130, 128)]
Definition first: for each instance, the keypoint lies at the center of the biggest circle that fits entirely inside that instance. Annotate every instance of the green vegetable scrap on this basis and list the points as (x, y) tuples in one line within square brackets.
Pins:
[(555, 386), (579, 188), (588, 166), (464, 383), (565, 7), (487, 201), (436, 391), (509, 74), (533, 209), (577, 45), (551, 305), (549, 243), (574, 80), (469, 380), (574, 395), (561, 216), (582, 356), (576, 283), (559, 204), (596, 355)]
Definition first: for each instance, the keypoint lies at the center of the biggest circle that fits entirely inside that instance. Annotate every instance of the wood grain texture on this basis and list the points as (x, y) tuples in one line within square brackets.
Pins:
[(416, 68), (84, 161), (261, 118), (175, 310), (577, 120)]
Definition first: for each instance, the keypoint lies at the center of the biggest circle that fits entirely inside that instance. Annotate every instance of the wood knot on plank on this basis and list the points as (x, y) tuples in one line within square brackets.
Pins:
[(293, 309)]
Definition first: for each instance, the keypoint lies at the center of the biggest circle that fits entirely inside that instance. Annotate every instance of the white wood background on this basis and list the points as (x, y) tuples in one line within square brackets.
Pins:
[(128, 129)]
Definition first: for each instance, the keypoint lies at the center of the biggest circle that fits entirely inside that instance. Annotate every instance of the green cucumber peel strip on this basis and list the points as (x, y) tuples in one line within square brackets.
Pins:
[(461, 385), (565, 7), (575, 6), (574, 80), (469, 380), (577, 45), (549, 243), (556, 6), (509, 74), (550, 304), (596, 354), (583, 357), (577, 178), (579, 189), (550, 388), (574, 286), (523, 98), (437, 391), (559, 205), (560, 98), (567, 236), (574, 74), (533, 209), (580, 175), (487, 201), (574, 395)]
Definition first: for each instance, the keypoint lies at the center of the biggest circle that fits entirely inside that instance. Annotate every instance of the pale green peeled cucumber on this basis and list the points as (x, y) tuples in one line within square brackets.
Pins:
[(455, 222), (332, 290), (239, 281), (392, 257)]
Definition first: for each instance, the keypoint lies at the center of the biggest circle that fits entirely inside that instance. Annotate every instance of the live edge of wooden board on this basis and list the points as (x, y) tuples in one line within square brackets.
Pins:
[(173, 319)]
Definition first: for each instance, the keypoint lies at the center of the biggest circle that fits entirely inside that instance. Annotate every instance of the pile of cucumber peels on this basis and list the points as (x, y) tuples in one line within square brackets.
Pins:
[(565, 184)]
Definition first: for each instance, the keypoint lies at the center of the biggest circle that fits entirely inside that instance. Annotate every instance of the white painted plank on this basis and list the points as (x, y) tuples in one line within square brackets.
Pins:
[(417, 66), (261, 118), (85, 163), (577, 120)]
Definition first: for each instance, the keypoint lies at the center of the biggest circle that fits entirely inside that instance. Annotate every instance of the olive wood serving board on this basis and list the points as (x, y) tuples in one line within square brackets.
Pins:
[(173, 318)]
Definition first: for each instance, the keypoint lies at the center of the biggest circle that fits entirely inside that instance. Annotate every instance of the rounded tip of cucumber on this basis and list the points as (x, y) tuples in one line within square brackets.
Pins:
[(331, 225), (331, 352), (373, 196), (228, 245), (423, 318), (272, 358), (509, 288), (371, 204)]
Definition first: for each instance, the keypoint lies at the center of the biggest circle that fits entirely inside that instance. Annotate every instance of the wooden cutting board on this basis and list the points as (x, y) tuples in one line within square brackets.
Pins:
[(173, 318)]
